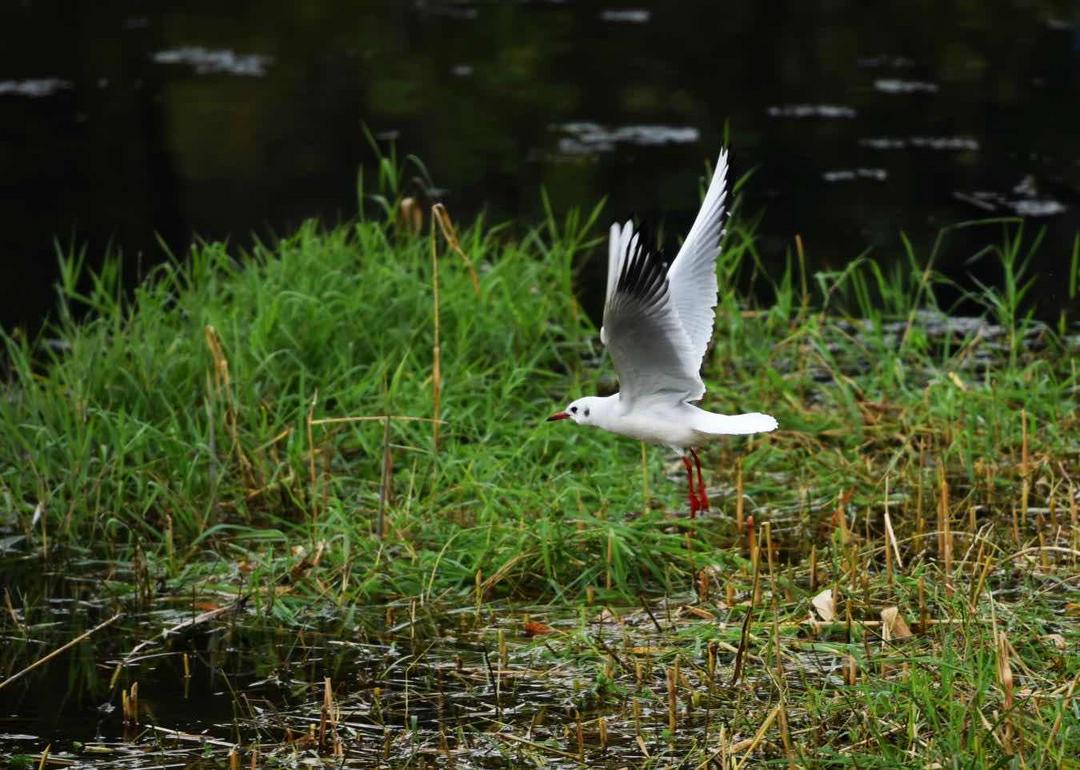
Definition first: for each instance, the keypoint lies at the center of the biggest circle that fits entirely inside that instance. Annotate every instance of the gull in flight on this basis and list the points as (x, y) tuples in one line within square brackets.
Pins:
[(658, 320)]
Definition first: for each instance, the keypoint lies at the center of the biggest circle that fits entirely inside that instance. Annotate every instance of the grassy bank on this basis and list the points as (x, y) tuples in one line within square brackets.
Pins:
[(223, 431)]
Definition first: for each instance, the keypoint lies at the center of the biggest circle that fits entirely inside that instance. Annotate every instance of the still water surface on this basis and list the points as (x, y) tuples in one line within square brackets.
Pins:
[(857, 121)]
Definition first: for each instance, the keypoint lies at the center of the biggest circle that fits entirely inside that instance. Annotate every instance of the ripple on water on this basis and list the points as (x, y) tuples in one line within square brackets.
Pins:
[(1024, 200), (35, 88), (884, 61), (827, 111), (585, 138), (897, 86), (212, 62), (939, 143), (850, 174), (626, 15)]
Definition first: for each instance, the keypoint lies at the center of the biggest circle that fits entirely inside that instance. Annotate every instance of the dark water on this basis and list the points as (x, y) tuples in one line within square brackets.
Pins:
[(119, 121), (204, 686)]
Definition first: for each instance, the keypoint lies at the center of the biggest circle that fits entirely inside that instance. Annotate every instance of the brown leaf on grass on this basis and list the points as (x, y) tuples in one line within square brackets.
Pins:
[(306, 562), (298, 571), (893, 625), (536, 628), (1057, 641), (825, 605), (873, 411), (699, 612)]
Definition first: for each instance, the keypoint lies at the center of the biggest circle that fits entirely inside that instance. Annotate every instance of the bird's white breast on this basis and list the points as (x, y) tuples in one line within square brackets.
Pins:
[(656, 424)]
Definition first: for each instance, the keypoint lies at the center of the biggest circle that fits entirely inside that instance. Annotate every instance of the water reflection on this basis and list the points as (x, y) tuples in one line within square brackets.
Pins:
[(812, 111), (589, 138), (847, 175), (897, 86), (628, 15), (120, 125), (34, 88), (205, 62), (945, 143)]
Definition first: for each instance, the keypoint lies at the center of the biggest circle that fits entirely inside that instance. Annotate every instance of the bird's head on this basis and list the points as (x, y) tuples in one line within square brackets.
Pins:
[(581, 411)]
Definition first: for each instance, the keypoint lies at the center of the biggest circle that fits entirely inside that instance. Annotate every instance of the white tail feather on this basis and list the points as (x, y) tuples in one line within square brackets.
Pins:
[(736, 424)]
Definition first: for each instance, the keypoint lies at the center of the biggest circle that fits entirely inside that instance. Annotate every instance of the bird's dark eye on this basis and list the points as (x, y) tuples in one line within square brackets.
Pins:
[(586, 411), (573, 409)]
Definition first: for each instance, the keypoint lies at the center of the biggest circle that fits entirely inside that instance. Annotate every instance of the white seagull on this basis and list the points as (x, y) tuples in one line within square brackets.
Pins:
[(658, 320)]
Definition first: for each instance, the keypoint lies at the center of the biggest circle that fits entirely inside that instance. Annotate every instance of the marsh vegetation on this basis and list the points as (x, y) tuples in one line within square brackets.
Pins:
[(305, 504)]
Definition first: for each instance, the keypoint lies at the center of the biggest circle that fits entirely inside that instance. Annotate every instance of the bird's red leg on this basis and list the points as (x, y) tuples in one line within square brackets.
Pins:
[(703, 499), (690, 486)]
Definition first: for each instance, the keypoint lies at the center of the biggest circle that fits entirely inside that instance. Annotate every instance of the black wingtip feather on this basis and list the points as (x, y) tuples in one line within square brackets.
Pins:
[(644, 270)]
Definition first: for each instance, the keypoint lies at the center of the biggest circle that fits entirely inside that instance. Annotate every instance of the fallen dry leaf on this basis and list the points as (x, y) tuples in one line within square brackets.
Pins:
[(298, 571), (1057, 640), (699, 612), (536, 628), (893, 625), (825, 606)]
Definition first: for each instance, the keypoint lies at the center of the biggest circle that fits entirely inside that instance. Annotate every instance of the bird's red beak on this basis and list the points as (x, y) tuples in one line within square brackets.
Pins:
[(558, 416)]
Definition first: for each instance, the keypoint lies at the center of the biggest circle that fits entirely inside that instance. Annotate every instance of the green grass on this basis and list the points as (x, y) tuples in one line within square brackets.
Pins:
[(224, 420)]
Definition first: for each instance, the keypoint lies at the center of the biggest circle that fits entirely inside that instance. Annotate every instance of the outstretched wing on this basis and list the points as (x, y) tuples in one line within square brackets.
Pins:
[(692, 277), (652, 352)]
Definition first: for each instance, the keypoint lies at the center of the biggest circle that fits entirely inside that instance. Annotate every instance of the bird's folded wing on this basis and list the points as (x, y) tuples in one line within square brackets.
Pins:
[(692, 277), (652, 353)]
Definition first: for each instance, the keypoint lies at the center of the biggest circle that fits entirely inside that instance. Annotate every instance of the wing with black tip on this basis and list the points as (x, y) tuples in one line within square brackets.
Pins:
[(652, 352)]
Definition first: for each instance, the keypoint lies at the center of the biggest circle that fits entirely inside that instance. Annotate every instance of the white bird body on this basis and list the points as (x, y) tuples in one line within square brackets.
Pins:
[(658, 321), (667, 421)]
